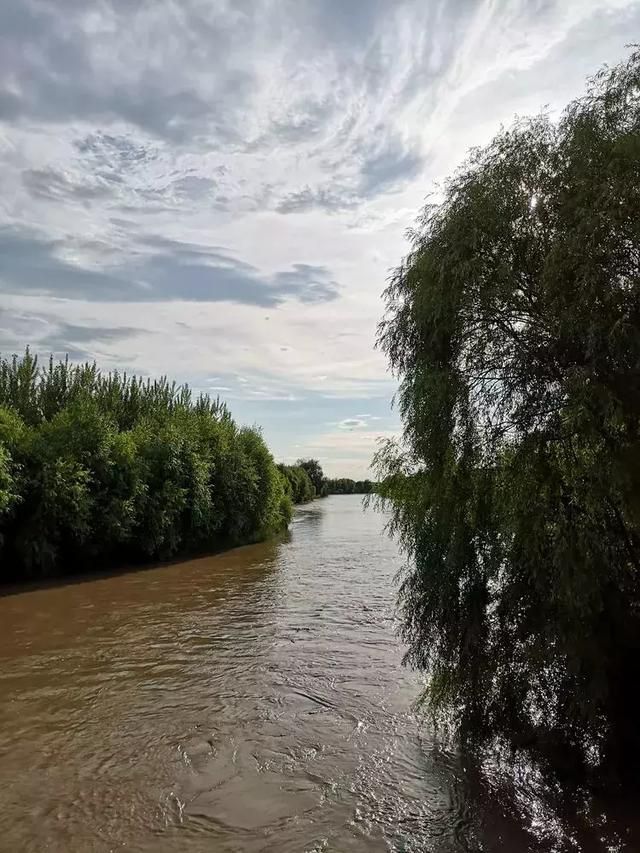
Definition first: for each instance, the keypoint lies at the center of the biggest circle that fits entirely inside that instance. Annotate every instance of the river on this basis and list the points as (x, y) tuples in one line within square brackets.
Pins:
[(249, 701)]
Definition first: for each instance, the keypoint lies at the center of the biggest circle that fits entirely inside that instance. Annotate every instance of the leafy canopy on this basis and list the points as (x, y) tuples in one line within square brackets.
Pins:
[(346, 486), (514, 328), (99, 468), (298, 483), (315, 474)]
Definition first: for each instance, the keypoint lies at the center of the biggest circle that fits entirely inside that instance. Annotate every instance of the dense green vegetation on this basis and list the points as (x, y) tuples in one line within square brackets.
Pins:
[(345, 486), (298, 483), (306, 481), (514, 327), (315, 474), (101, 468)]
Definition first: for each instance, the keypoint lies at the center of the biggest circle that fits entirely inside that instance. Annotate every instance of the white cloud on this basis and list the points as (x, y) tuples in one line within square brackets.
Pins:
[(345, 453), (182, 194)]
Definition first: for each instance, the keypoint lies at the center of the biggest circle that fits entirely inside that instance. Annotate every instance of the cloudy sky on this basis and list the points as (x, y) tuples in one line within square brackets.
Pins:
[(218, 190)]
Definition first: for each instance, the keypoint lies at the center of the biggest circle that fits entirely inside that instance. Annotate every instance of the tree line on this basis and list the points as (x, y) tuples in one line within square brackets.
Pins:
[(103, 468), (345, 486), (306, 481), (299, 485), (514, 328)]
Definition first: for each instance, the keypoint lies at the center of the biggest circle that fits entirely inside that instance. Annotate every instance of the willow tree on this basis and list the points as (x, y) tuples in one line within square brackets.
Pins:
[(514, 328)]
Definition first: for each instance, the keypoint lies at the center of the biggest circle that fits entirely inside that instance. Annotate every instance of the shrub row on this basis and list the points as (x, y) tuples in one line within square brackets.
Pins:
[(97, 468)]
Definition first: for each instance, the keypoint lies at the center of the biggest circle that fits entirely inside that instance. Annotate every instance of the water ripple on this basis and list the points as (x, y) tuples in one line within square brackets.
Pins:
[(251, 701)]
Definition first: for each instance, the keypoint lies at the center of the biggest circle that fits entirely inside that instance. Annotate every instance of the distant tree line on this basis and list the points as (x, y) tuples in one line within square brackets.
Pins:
[(345, 486), (97, 468), (316, 475), (298, 483), (306, 481)]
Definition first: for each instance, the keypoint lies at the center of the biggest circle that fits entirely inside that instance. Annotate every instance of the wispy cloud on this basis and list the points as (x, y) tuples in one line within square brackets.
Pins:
[(221, 188), (154, 270)]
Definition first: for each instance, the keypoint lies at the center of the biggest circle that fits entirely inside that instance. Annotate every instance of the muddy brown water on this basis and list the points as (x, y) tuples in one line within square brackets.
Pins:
[(250, 701)]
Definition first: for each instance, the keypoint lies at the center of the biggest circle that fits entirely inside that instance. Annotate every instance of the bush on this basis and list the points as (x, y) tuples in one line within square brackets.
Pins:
[(315, 473), (100, 468), (299, 484)]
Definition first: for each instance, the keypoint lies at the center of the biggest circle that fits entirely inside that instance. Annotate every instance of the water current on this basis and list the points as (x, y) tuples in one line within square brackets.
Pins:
[(249, 701)]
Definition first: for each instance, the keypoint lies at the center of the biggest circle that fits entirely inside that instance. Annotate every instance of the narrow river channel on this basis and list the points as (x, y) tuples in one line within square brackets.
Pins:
[(250, 701)]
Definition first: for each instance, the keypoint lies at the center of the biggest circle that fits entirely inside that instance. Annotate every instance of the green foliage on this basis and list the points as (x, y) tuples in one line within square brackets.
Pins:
[(303, 488), (100, 468), (345, 486), (316, 475), (7, 483), (514, 327), (298, 483)]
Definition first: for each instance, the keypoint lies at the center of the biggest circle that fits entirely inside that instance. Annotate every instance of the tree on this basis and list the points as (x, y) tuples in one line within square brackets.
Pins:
[(96, 469), (298, 484), (345, 486), (514, 328), (316, 475)]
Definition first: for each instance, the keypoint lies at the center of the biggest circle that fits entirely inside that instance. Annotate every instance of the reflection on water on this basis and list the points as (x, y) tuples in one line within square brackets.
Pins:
[(251, 701)]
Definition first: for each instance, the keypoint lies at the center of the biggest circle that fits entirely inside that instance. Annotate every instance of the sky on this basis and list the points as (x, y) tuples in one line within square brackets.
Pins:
[(219, 190)]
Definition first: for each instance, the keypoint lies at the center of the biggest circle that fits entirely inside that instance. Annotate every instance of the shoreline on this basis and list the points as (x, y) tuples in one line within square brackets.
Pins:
[(12, 587)]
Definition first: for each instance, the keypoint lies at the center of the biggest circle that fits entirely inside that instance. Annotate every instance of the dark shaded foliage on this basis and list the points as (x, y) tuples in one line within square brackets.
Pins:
[(345, 486), (514, 327), (97, 468)]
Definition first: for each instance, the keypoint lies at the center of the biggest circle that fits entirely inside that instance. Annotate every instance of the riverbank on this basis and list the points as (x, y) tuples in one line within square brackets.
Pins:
[(89, 575)]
